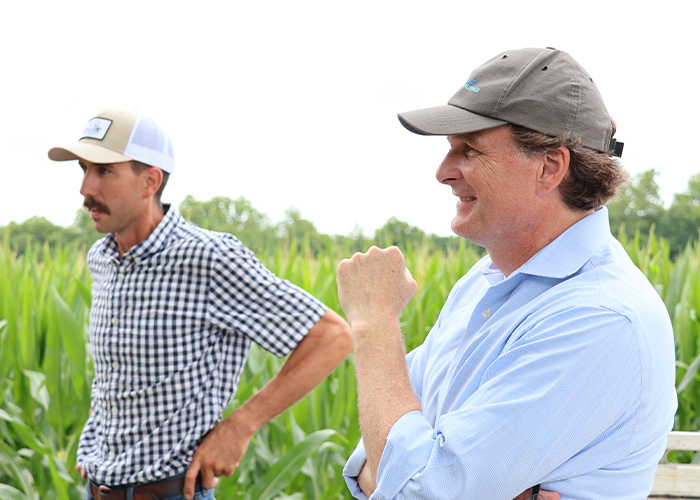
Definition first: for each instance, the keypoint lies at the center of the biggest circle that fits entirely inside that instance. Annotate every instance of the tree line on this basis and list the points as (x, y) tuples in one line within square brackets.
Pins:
[(638, 209), (238, 217)]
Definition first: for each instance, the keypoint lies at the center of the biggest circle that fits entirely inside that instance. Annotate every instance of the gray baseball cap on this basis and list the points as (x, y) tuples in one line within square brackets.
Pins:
[(544, 90)]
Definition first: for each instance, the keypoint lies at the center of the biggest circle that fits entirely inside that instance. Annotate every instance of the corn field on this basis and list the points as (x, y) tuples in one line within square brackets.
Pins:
[(46, 371)]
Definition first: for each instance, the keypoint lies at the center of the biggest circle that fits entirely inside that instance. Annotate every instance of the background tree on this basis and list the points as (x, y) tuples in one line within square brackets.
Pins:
[(36, 231), (237, 217), (301, 232), (638, 207), (82, 232), (682, 220), (399, 233), (353, 242)]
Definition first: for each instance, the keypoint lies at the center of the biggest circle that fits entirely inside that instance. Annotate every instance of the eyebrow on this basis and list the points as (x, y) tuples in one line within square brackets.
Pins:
[(463, 138), (470, 142)]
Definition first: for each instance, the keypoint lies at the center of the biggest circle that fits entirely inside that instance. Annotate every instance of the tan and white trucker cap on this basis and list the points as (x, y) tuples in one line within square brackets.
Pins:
[(544, 90), (117, 135)]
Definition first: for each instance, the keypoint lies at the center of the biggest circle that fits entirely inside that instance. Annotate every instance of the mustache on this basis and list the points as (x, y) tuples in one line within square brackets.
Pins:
[(91, 204)]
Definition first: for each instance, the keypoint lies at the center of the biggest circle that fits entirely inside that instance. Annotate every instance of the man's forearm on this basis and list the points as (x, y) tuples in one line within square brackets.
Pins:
[(373, 290), (327, 344), (384, 387)]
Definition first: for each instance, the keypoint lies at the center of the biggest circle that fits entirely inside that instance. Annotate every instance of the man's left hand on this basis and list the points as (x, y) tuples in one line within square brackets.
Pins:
[(365, 481), (218, 454)]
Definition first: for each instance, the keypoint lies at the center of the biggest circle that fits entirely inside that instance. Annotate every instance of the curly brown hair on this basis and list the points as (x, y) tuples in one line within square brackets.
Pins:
[(593, 177)]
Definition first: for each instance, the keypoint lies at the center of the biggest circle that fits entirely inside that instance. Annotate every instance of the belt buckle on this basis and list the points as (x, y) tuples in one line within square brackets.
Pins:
[(105, 493)]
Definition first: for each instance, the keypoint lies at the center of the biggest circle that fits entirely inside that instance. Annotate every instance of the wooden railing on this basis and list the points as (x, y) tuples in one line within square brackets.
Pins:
[(680, 481)]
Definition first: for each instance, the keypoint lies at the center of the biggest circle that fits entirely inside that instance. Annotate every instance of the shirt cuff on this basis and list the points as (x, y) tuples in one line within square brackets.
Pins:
[(352, 470), (407, 451)]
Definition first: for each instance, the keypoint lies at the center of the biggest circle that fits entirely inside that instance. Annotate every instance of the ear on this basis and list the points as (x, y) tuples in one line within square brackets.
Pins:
[(153, 177), (555, 165)]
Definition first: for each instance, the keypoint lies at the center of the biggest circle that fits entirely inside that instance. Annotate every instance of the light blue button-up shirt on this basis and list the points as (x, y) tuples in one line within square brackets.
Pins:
[(561, 374)]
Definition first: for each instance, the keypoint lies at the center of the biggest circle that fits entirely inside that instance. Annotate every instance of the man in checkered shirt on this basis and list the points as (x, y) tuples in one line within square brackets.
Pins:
[(175, 309)]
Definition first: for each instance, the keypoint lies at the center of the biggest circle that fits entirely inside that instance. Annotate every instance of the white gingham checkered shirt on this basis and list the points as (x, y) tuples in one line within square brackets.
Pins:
[(170, 329)]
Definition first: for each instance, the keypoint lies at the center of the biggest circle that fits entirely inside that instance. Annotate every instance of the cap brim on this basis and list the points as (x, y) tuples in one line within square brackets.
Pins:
[(446, 120), (85, 151)]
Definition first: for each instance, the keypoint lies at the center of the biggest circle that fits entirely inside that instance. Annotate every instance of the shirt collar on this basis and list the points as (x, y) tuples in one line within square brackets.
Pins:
[(572, 249), (568, 252), (153, 244), (492, 274)]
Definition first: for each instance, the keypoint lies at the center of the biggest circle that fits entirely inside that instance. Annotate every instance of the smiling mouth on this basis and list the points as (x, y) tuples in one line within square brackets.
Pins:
[(467, 198)]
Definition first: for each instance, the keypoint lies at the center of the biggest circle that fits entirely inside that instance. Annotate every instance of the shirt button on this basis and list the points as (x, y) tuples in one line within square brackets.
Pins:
[(115, 321), (114, 410), (486, 313), (120, 276), (115, 365), (111, 454), (454, 369)]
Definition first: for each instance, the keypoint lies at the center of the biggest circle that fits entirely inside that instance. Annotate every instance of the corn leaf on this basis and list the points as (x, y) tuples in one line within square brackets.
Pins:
[(284, 470)]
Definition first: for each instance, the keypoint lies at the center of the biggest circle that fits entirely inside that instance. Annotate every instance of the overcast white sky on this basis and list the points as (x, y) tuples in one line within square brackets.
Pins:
[(293, 103)]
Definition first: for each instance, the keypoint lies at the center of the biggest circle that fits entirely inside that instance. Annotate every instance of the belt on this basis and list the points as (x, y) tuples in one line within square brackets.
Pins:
[(152, 491)]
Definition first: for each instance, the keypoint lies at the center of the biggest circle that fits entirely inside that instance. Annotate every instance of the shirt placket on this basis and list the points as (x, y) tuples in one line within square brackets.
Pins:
[(482, 314), (114, 342)]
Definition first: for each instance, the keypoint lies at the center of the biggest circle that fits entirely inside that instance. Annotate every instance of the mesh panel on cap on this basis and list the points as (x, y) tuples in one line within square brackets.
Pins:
[(149, 144), (148, 135)]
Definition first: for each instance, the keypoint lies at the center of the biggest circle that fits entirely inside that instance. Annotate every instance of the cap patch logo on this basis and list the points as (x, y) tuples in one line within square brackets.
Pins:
[(96, 128), (470, 85)]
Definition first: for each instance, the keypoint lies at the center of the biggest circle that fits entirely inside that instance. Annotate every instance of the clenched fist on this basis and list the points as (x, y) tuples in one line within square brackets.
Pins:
[(374, 286)]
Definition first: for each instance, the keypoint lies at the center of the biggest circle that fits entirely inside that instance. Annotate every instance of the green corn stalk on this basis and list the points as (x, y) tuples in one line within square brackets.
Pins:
[(44, 397), (46, 372)]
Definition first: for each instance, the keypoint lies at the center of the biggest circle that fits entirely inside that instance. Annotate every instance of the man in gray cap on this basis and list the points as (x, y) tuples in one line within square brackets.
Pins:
[(174, 311), (552, 361)]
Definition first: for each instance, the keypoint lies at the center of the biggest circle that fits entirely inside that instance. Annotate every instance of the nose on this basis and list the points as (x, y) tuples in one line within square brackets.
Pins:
[(88, 186), (448, 172)]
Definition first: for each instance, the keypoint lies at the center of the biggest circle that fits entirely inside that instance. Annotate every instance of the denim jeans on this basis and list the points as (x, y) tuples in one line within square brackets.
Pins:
[(199, 495)]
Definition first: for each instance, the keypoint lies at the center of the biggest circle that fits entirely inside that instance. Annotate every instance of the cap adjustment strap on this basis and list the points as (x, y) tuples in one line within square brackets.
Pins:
[(615, 147)]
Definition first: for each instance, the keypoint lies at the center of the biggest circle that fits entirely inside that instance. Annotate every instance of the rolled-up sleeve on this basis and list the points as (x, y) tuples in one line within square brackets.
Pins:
[(410, 444), (352, 470)]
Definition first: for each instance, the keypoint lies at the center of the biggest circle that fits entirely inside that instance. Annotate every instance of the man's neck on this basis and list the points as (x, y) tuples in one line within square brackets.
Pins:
[(520, 249), (140, 230)]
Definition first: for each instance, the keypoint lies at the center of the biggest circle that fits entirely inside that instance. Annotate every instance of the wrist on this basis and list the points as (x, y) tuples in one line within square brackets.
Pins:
[(245, 420), (375, 326)]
